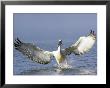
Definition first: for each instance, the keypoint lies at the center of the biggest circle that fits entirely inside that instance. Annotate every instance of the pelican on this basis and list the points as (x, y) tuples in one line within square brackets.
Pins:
[(36, 54)]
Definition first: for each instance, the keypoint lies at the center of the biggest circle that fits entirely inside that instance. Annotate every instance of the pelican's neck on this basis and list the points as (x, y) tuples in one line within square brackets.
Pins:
[(59, 48)]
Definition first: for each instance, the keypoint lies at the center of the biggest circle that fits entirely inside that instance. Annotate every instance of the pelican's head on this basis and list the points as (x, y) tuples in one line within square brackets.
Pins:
[(92, 34), (60, 43)]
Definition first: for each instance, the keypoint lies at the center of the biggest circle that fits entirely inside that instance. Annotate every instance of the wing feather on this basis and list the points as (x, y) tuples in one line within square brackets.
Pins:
[(73, 47), (82, 45), (32, 52)]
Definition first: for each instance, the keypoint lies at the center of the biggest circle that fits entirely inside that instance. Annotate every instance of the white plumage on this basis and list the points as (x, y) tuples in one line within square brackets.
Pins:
[(83, 45)]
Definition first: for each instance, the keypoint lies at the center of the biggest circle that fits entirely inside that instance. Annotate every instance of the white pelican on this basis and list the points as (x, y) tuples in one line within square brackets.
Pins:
[(83, 45)]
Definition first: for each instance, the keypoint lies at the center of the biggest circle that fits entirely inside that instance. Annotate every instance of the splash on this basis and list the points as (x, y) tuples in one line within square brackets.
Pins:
[(64, 65)]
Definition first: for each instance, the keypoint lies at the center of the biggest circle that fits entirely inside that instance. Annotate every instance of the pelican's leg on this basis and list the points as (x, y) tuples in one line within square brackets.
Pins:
[(59, 66), (66, 60)]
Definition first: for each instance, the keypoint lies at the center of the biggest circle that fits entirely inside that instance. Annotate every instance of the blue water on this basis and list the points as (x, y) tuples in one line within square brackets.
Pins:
[(80, 65)]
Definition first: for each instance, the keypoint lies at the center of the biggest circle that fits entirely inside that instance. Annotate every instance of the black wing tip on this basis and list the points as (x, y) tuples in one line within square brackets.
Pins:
[(17, 42), (92, 32)]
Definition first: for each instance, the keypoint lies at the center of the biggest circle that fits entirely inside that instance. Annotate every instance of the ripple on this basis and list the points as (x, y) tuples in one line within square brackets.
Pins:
[(77, 65)]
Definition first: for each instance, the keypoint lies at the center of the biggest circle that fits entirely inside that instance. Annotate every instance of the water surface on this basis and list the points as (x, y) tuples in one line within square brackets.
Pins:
[(80, 65)]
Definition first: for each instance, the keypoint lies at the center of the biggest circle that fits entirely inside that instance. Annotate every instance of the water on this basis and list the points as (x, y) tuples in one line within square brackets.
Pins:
[(79, 65)]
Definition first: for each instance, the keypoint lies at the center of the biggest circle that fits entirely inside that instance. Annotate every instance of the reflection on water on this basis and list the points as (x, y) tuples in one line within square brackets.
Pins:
[(78, 65)]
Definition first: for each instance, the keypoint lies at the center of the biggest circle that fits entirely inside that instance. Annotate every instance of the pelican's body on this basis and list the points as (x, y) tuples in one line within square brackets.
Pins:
[(83, 45), (59, 55)]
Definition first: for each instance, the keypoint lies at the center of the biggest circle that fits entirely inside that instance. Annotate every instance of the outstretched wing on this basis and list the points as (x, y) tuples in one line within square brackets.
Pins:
[(32, 52), (83, 45), (73, 47)]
